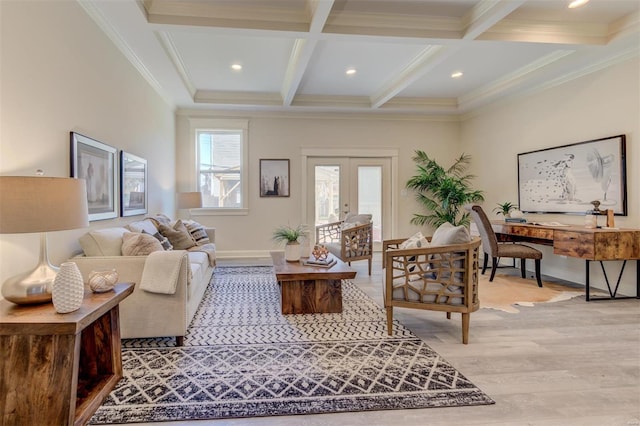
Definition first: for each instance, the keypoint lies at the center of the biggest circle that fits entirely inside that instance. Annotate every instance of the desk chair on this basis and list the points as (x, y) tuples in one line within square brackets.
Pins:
[(496, 250)]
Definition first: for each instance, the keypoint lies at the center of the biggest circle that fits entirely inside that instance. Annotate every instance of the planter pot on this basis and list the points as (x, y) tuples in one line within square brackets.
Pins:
[(292, 252)]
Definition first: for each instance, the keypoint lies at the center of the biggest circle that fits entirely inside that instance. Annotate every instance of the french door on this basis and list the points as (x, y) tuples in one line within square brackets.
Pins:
[(342, 185)]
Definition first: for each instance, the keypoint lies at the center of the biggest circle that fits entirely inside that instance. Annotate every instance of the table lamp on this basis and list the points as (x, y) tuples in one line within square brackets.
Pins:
[(189, 200), (39, 204)]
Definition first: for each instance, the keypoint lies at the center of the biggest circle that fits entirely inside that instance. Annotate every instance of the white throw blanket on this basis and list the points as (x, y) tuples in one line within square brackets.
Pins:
[(161, 269)]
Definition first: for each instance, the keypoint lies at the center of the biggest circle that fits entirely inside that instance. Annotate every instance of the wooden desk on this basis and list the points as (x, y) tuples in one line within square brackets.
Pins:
[(310, 289), (58, 368), (582, 243)]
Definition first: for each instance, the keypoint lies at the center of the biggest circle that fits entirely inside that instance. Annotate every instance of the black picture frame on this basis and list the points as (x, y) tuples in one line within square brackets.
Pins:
[(96, 163), (567, 178), (274, 178), (133, 184)]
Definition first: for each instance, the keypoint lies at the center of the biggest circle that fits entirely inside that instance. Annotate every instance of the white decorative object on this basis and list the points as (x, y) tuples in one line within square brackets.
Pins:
[(68, 288), (292, 251), (102, 281), (516, 214)]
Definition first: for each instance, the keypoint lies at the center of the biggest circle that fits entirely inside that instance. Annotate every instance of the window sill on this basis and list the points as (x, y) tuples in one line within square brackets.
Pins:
[(219, 212)]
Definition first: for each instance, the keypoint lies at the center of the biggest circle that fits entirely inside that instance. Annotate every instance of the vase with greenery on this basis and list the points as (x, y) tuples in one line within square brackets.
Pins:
[(505, 208), (291, 237), (443, 192)]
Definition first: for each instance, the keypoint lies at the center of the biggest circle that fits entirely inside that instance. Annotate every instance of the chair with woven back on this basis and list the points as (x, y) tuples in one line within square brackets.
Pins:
[(350, 239), (496, 250), (438, 274)]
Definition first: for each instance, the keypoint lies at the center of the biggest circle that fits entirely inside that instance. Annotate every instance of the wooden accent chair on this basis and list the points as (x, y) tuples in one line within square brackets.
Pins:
[(350, 239), (496, 250), (436, 278)]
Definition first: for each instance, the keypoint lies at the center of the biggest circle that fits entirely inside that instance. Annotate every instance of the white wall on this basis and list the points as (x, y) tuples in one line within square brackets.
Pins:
[(272, 136), (598, 105), (60, 73)]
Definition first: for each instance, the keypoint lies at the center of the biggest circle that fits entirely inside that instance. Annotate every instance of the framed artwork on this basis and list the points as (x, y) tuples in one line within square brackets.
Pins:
[(96, 163), (566, 179), (133, 184), (274, 178)]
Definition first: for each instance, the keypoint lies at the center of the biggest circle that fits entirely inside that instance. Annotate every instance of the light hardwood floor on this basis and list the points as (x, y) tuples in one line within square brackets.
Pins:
[(562, 363)]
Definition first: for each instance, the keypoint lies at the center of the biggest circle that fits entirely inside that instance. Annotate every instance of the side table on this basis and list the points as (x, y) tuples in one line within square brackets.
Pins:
[(56, 369)]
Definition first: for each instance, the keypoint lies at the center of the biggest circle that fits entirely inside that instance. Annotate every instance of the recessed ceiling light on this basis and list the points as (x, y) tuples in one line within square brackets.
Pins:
[(350, 71), (577, 3), (456, 74), (236, 67)]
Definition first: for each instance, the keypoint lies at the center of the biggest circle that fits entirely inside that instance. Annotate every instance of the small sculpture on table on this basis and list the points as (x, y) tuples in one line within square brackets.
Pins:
[(320, 252)]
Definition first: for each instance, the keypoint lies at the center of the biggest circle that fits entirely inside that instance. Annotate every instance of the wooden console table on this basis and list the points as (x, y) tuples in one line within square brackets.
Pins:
[(310, 289), (58, 368), (590, 244)]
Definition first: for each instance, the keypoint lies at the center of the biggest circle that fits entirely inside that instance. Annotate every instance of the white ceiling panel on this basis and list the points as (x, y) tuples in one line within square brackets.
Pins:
[(481, 63), (208, 59), (375, 63)]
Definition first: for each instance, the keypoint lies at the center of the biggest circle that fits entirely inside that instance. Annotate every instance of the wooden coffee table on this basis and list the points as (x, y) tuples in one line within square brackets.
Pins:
[(310, 289)]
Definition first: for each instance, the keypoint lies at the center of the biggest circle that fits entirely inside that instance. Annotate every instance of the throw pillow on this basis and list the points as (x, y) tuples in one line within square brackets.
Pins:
[(198, 232), (138, 244), (103, 242), (417, 240), (358, 218), (447, 234), (178, 235), (146, 225), (164, 241)]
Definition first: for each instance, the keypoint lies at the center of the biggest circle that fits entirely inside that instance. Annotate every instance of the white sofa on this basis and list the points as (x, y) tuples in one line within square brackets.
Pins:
[(148, 313)]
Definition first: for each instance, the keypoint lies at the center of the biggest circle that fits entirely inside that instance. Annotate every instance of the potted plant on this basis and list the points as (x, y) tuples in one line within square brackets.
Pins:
[(443, 192), (291, 237), (505, 208)]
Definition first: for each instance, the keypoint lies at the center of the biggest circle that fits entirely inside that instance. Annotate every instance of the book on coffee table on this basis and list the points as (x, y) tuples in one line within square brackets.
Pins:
[(327, 263)]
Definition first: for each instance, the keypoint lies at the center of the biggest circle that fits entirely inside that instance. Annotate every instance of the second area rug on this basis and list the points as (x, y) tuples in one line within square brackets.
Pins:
[(243, 358)]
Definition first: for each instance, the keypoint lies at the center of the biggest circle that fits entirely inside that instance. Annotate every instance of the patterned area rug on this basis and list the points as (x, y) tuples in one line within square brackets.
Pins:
[(243, 358)]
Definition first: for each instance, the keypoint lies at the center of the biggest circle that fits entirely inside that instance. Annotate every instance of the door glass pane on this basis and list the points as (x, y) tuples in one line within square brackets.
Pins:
[(370, 196), (327, 189)]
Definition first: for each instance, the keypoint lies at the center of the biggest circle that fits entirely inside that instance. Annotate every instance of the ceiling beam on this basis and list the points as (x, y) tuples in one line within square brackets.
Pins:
[(303, 49), (486, 14), (419, 66)]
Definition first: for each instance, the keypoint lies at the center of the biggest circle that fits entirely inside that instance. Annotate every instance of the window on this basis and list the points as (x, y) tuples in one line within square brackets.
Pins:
[(221, 163)]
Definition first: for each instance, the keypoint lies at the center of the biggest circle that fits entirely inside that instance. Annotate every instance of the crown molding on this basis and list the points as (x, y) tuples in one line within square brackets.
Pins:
[(547, 32), (170, 48)]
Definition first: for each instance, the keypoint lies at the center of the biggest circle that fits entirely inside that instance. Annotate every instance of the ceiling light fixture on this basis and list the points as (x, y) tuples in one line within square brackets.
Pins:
[(577, 3), (236, 67), (456, 74), (350, 71)]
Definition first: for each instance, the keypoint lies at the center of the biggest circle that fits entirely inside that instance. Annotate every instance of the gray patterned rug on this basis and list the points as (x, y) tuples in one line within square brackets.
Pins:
[(242, 358)]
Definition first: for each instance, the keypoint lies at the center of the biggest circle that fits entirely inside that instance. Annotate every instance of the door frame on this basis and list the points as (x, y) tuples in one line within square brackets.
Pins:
[(359, 152)]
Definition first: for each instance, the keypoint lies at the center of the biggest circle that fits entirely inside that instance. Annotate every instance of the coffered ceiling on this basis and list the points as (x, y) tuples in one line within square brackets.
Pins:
[(295, 53)]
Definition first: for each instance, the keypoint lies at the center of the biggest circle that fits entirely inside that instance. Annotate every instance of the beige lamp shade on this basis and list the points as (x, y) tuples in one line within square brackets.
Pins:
[(42, 204), (189, 200)]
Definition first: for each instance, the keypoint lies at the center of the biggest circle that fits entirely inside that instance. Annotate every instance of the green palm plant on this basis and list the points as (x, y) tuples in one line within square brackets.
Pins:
[(443, 192), (288, 234)]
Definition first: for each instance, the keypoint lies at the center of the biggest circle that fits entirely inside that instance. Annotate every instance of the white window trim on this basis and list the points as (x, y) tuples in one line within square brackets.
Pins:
[(199, 124)]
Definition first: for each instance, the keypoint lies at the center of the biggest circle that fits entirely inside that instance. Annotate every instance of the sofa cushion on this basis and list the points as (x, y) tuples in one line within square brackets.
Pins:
[(146, 225), (139, 244), (197, 231), (199, 262), (103, 242), (178, 235)]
